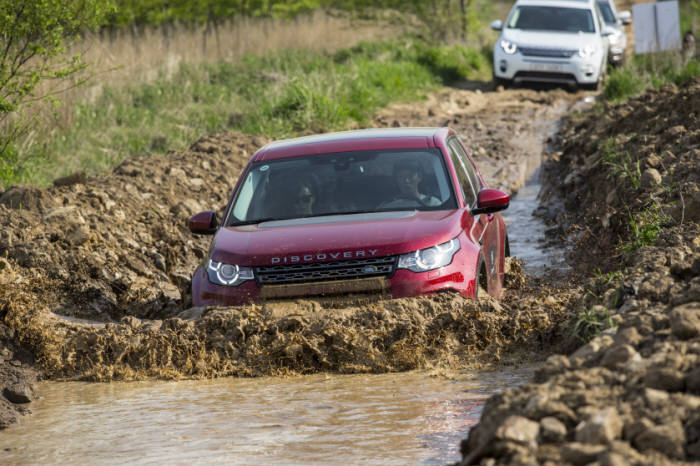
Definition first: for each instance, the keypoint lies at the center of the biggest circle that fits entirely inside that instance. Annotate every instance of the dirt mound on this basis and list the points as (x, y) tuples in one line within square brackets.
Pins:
[(631, 168), (632, 394), (118, 245)]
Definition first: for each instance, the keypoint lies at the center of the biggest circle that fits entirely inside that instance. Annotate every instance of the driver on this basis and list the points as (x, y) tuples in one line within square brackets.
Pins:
[(302, 197), (407, 177)]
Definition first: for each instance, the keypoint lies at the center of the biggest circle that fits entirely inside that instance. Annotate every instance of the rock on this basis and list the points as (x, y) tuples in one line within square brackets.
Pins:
[(685, 321), (518, 429), (581, 453), (651, 178), (655, 398), (628, 336), (617, 356), (692, 380), (8, 414), (552, 430), (667, 439), (18, 392), (603, 427), (612, 459), (664, 378), (555, 364), (78, 235)]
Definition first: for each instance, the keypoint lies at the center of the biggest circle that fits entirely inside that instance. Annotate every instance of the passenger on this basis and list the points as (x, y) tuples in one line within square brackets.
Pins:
[(407, 177)]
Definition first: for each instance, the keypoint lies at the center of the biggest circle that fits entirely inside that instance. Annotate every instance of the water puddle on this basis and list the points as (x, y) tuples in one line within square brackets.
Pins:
[(353, 419), (526, 234)]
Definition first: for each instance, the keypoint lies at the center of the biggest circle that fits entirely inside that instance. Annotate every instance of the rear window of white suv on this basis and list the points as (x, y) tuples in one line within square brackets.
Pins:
[(547, 18)]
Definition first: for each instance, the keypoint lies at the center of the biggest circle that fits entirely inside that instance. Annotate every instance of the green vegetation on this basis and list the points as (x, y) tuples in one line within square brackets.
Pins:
[(644, 71), (621, 166), (644, 228), (280, 94), (589, 323), (608, 277), (33, 67), (440, 18)]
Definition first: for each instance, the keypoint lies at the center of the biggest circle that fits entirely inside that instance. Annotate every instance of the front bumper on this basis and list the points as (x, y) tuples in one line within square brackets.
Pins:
[(520, 68), (459, 276)]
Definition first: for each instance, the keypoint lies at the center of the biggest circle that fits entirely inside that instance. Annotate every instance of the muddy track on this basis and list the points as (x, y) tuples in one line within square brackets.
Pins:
[(625, 186), (94, 280)]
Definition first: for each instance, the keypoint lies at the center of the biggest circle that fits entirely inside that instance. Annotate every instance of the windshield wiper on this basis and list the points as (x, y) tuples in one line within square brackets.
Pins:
[(326, 214), (260, 220)]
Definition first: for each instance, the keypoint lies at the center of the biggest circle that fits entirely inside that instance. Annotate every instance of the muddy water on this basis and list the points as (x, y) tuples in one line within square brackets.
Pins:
[(404, 418), (526, 234)]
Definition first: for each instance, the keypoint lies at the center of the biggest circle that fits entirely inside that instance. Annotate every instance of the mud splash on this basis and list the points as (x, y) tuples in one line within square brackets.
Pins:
[(282, 338)]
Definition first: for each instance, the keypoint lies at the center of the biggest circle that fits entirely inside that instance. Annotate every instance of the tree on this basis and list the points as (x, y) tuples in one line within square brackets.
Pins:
[(33, 65)]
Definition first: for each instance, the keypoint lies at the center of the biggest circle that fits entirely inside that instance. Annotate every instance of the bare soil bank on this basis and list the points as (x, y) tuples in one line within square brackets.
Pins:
[(95, 274), (630, 395)]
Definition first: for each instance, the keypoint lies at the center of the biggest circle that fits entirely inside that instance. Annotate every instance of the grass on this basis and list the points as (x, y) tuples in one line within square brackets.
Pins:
[(644, 228), (645, 71), (280, 94), (589, 323), (620, 166)]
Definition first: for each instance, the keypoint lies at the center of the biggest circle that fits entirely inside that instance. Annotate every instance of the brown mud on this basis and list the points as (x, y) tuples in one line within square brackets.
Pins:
[(95, 275), (625, 186)]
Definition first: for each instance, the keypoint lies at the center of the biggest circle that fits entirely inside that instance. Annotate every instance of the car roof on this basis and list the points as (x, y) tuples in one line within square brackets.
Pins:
[(349, 141), (559, 3)]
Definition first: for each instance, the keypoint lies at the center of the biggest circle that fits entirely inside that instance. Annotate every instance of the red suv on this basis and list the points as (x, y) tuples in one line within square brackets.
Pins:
[(378, 212)]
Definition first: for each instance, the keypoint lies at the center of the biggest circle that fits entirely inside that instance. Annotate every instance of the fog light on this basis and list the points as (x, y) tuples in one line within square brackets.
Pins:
[(503, 66)]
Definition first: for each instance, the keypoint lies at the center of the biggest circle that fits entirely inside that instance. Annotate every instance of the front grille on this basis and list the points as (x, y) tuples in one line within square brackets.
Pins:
[(325, 271), (542, 52)]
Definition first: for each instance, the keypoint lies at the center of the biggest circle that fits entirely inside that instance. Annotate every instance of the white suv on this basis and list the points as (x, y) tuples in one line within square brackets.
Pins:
[(552, 41), (615, 22)]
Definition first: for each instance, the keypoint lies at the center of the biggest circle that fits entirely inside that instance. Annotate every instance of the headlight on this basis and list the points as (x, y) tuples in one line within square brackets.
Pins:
[(587, 51), (508, 47), (430, 258), (615, 38), (227, 274)]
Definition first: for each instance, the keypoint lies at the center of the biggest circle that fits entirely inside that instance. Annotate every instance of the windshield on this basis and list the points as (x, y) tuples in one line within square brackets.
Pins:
[(337, 184), (607, 13), (547, 18)]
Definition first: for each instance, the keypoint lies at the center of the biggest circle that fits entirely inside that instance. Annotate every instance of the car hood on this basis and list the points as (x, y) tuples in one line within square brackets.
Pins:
[(544, 39), (337, 237)]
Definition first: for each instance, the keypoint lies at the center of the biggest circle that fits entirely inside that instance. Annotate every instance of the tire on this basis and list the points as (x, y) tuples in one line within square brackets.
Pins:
[(481, 280), (590, 87), (506, 83)]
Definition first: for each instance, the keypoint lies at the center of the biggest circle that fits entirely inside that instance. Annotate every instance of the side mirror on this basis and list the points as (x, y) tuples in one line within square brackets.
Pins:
[(607, 32), (497, 25), (203, 223), (625, 16), (489, 201)]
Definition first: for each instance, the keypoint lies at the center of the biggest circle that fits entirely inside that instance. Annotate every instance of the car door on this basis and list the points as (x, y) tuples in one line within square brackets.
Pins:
[(486, 228)]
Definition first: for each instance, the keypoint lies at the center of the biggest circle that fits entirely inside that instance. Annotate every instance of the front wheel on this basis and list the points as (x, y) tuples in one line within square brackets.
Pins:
[(482, 285)]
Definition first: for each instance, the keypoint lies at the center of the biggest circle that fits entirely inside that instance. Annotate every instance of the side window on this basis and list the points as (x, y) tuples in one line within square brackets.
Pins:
[(473, 185), (462, 176)]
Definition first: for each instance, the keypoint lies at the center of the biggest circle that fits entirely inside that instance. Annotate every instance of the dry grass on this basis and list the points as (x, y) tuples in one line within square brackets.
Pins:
[(140, 55)]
